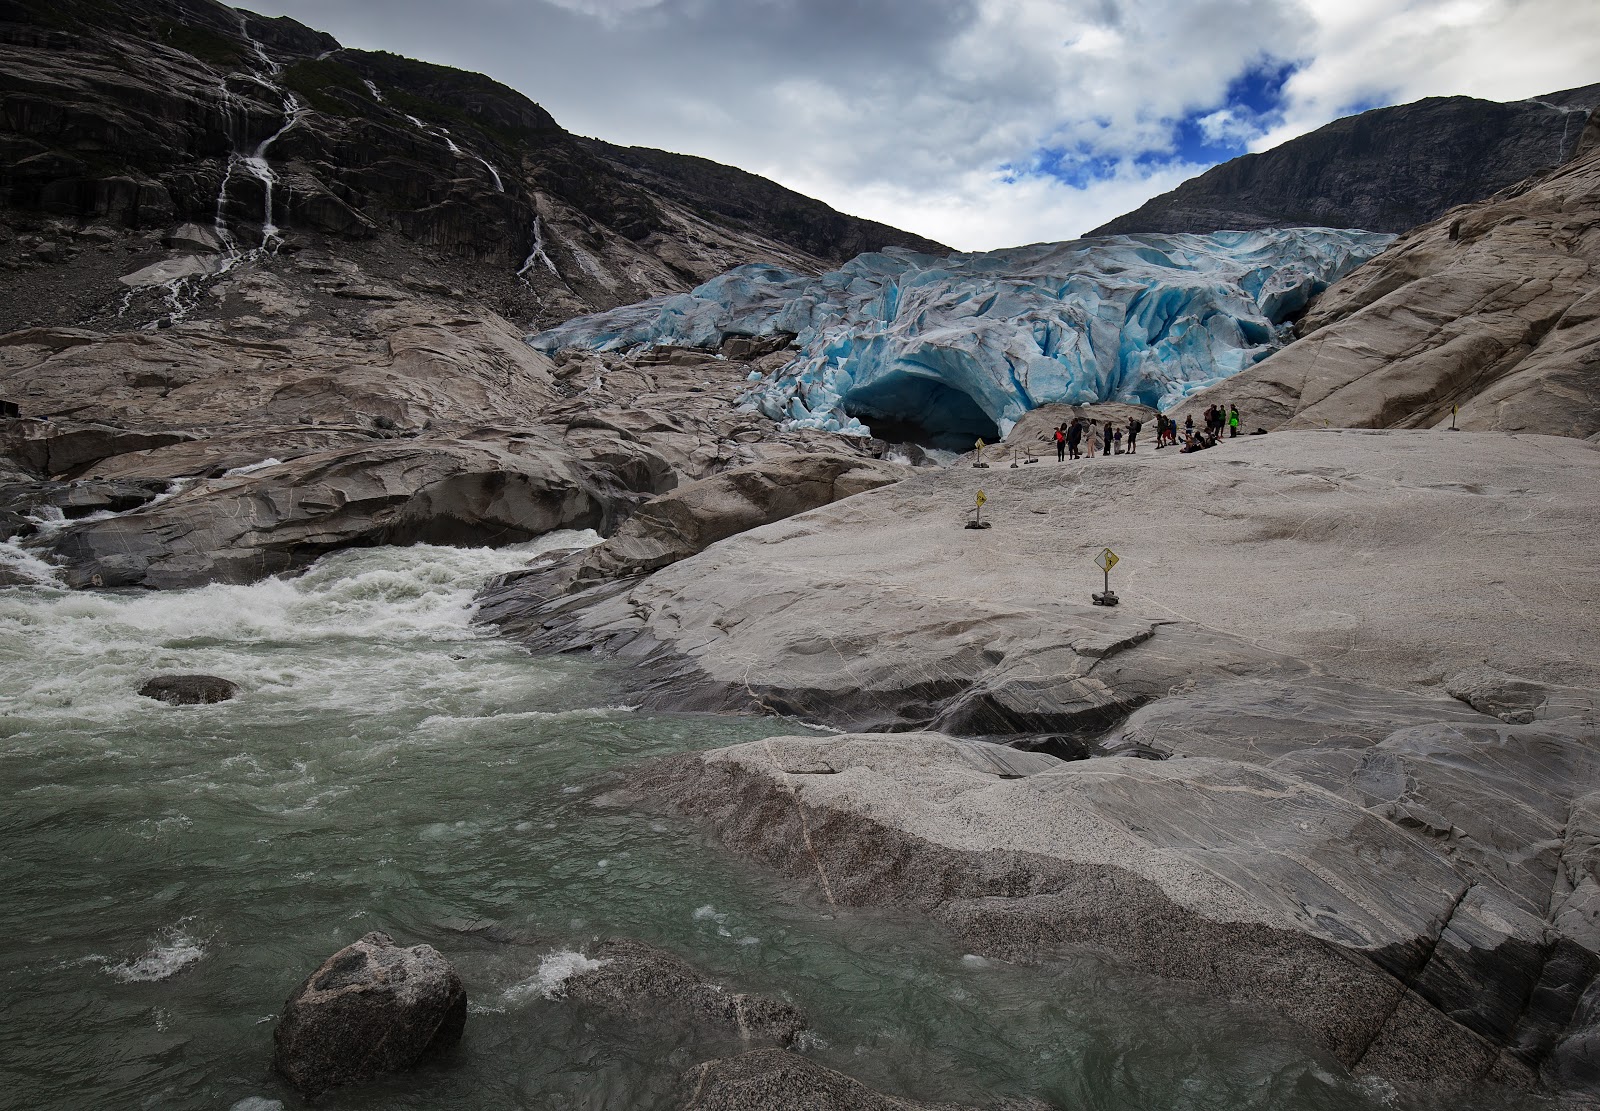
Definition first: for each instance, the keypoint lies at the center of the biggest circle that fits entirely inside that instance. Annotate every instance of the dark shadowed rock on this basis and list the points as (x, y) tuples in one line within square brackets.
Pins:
[(189, 690), (1385, 170), (778, 1080), (373, 1007), (61, 447), (646, 982)]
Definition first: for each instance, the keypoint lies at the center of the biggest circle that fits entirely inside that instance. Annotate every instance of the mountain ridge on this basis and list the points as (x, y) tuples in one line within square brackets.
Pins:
[(1387, 169)]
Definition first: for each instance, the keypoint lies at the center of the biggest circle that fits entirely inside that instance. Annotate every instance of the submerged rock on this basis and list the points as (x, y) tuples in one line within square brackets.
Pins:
[(189, 690), (778, 1080), (372, 1007), (647, 982)]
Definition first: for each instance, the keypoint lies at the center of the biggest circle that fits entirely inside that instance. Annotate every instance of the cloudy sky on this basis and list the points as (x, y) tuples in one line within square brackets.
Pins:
[(980, 123)]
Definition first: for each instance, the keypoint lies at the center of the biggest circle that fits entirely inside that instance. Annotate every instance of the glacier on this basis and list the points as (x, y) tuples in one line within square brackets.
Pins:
[(945, 350)]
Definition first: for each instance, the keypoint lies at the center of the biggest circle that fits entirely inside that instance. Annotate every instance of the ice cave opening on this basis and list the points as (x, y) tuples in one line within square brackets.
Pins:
[(911, 409)]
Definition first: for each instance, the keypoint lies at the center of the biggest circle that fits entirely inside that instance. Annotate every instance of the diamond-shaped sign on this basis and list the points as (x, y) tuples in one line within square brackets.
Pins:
[(1106, 560), (982, 498)]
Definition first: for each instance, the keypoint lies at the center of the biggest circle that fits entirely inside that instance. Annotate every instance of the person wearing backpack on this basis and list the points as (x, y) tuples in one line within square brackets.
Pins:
[(1074, 438), (1134, 424)]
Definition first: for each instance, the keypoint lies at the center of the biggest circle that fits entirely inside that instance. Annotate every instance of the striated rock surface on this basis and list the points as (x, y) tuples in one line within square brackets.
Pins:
[(1387, 169), (371, 1008), (1492, 308), (778, 1080)]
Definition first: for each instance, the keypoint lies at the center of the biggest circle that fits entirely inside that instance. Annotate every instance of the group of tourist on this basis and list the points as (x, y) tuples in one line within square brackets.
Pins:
[(1079, 438)]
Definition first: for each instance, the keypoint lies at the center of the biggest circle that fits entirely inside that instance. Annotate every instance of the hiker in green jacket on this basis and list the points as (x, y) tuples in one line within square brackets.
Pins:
[(1233, 421)]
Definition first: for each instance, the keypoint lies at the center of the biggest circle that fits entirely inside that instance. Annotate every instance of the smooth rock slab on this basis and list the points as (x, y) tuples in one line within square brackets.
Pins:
[(373, 1007), (1243, 882), (189, 690)]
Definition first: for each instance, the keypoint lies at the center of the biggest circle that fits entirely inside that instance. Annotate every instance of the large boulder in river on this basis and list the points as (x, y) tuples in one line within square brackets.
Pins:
[(372, 1007), (189, 690)]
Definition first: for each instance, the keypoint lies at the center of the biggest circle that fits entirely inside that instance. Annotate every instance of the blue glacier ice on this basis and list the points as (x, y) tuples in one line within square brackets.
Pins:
[(962, 346)]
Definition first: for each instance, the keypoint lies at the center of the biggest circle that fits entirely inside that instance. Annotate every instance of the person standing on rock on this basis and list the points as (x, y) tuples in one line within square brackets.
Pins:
[(1091, 433), (1074, 438), (1233, 421), (1107, 449), (1134, 424), (1061, 443), (1188, 425)]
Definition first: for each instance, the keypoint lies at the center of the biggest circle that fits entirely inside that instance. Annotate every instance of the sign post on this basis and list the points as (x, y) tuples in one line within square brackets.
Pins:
[(1454, 409), (978, 521), (1106, 560), (979, 448)]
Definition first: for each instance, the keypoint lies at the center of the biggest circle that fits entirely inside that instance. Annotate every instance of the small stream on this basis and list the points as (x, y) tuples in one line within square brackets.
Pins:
[(171, 874)]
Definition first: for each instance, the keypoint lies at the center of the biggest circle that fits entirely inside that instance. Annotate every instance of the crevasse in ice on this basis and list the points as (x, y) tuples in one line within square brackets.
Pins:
[(915, 346)]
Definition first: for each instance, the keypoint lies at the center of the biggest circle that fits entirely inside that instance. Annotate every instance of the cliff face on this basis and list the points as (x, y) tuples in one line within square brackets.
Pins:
[(135, 117), (1384, 170)]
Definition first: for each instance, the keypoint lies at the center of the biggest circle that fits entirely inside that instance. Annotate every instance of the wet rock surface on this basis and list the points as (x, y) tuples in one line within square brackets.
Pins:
[(371, 1008), (778, 1080), (189, 690), (647, 983)]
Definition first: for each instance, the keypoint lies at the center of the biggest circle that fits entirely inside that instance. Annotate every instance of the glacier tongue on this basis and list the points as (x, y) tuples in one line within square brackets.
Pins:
[(962, 346)]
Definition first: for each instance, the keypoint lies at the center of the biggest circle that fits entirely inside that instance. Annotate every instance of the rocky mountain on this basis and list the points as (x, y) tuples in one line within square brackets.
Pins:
[(1494, 308), (122, 121), (1384, 170)]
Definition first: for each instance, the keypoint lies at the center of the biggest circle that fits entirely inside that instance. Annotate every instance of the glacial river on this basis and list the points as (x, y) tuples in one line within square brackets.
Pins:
[(170, 874)]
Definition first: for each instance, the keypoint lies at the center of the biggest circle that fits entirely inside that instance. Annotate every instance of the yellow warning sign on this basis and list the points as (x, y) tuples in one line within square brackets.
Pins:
[(1106, 560), (982, 498)]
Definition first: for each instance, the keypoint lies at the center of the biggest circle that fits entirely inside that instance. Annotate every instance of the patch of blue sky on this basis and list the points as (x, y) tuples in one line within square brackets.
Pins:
[(1251, 105)]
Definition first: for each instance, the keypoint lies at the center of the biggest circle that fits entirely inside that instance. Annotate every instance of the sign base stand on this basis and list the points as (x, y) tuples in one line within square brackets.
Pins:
[(979, 524), (1107, 597)]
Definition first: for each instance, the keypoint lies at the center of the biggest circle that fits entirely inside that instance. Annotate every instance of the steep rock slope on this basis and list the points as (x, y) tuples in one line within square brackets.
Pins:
[(128, 118), (1494, 307), (1384, 170)]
